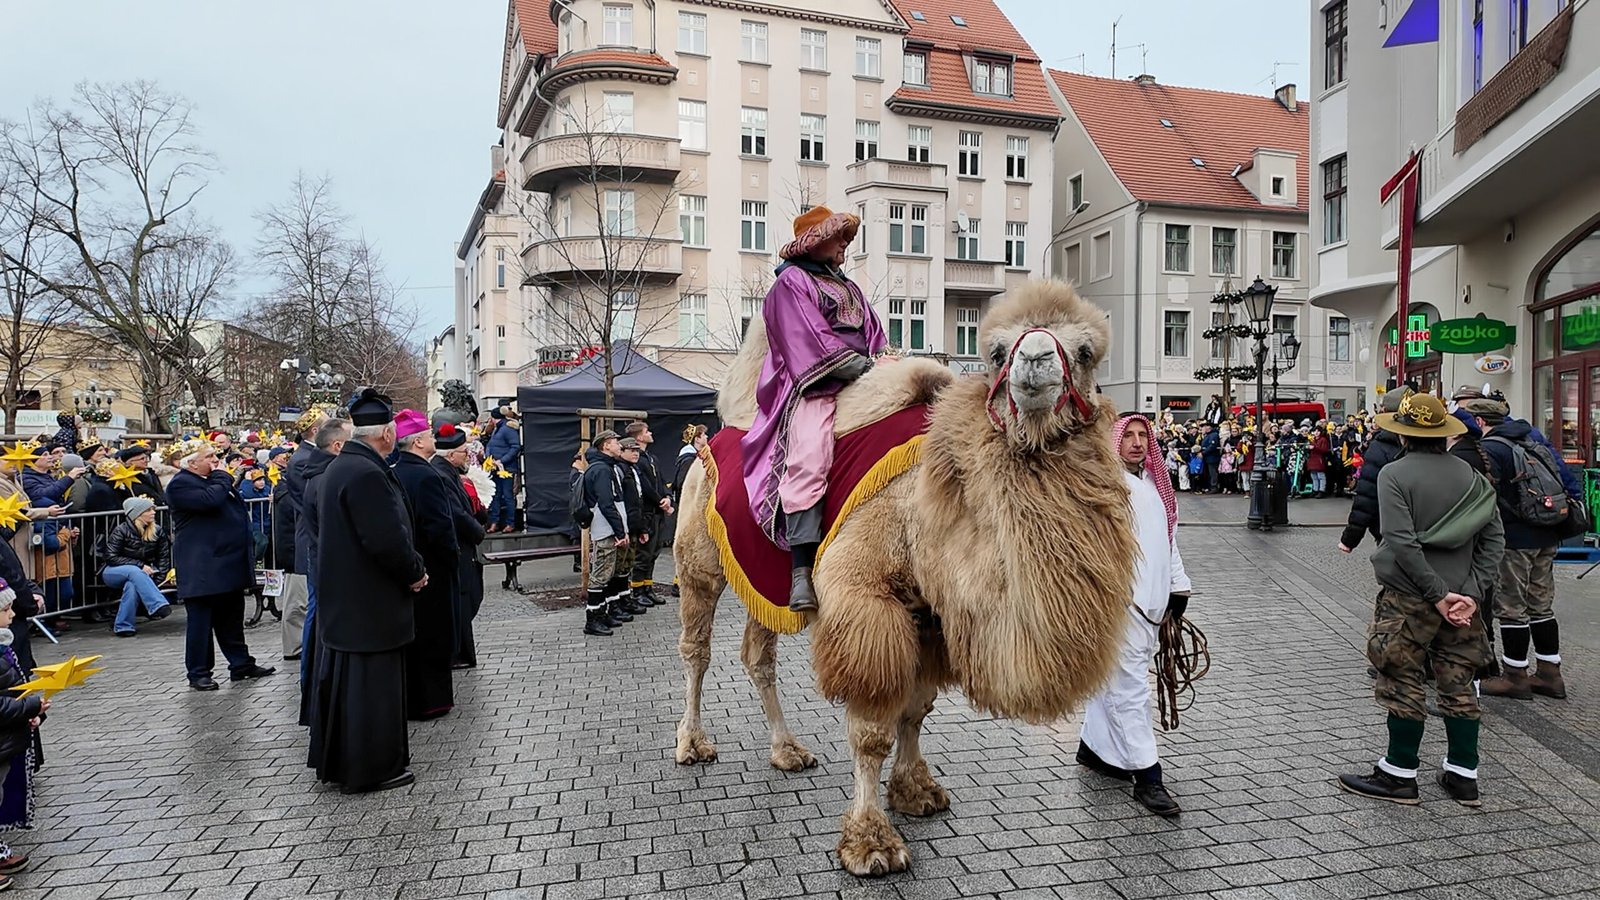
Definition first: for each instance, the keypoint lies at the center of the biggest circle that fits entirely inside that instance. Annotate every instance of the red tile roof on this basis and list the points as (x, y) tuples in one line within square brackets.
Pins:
[(611, 55), (988, 29), (1123, 118), (538, 29)]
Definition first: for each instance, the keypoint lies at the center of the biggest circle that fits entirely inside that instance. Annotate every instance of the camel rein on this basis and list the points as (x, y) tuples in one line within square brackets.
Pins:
[(1069, 394), (1182, 658)]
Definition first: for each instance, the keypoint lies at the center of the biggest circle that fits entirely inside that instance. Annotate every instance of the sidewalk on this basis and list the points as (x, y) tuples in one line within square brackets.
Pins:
[(1231, 509), (554, 776)]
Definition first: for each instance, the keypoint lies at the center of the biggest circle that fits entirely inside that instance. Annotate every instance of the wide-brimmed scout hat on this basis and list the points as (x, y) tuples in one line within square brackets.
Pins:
[(1421, 415), (815, 227)]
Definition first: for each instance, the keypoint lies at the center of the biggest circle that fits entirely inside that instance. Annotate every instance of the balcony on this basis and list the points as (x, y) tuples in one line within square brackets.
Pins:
[(600, 260), (599, 157), (896, 175), (973, 279)]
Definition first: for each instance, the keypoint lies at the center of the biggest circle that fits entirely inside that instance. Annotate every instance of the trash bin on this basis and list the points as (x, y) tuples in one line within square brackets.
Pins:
[(1269, 500)]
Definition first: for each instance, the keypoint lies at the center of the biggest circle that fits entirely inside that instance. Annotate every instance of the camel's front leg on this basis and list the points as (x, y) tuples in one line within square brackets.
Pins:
[(760, 655), (697, 607), (912, 789), (868, 843)]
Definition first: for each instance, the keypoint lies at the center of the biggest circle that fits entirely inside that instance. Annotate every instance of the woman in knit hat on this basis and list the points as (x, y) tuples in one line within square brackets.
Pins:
[(137, 554), (821, 335)]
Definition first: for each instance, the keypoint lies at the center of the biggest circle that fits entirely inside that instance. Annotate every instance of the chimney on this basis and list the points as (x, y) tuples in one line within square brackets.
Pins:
[(1144, 79), (1285, 96)]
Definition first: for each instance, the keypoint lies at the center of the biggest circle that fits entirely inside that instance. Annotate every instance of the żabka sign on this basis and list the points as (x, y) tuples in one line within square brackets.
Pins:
[(1476, 335)]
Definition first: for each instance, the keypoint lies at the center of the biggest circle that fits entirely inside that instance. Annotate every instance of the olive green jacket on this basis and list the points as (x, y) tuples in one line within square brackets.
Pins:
[(1441, 528)]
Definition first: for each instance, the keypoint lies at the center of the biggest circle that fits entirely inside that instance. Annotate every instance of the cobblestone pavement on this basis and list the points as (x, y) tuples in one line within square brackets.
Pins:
[(554, 777)]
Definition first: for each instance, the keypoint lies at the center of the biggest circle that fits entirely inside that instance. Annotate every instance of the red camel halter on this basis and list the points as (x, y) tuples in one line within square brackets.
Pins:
[(1070, 392)]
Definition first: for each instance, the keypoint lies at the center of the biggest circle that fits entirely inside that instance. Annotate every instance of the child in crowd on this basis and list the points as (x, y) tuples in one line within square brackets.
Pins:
[(19, 716)]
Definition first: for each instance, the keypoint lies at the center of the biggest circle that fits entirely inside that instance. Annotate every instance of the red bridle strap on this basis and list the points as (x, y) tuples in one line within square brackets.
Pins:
[(1070, 393)]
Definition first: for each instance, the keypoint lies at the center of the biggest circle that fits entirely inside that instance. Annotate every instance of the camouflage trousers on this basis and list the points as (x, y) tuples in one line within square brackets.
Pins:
[(1407, 634)]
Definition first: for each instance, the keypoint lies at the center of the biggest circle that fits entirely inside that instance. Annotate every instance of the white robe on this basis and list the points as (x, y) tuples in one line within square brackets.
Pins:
[(1116, 722)]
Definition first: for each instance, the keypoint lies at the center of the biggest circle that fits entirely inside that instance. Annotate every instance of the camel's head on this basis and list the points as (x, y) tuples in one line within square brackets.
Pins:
[(1043, 343)]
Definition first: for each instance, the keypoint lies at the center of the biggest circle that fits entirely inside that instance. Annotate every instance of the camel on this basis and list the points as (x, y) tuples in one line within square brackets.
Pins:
[(1000, 564)]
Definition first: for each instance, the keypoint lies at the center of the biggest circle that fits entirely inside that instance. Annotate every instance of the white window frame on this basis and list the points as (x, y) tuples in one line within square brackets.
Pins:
[(967, 318), (617, 111), (899, 225), (753, 226), (814, 49), (1338, 327), (969, 154), (1219, 318), (750, 310), (869, 57), (896, 324), (752, 131), (991, 77), (1168, 324), (968, 243), (1017, 158), (919, 143), (1075, 191), (692, 219), (692, 124), (692, 33), (917, 232), (1216, 246), (1095, 272), (813, 137), (564, 216), (867, 133), (621, 218), (1278, 185), (624, 308), (616, 25), (569, 33), (694, 327), (1336, 201), (500, 267), (917, 316), (915, 68), (752, 41), (1017, 245), (1291, 272), (1072, 258), (1168, 242)]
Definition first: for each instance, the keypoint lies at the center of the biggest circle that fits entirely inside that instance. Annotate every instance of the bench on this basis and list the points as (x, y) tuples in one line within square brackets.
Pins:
[(513, 557)]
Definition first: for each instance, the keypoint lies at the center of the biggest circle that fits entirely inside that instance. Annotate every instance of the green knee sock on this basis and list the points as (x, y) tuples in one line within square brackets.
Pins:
[(1405, 737), (1462, 735)]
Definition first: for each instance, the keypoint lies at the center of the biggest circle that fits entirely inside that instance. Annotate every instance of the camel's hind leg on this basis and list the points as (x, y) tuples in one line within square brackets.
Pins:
[(912, 789), (868, 842), (760, 655), (700, 584)]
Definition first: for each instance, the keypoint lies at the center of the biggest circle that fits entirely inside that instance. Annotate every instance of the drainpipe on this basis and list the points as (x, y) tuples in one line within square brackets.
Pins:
[(1138, 300)]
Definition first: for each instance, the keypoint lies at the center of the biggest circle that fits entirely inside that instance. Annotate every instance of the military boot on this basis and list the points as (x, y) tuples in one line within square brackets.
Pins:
[(1547, 682), (1512, 682)]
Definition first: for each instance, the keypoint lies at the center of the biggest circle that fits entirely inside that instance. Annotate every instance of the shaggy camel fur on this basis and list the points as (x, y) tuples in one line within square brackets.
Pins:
[(1000, 564)]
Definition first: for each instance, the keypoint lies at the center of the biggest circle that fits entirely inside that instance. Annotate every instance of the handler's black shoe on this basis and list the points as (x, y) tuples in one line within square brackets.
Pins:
[(253, 672), (1461, 789), (802, 595), (1154, 797), (1380, 785), (203, 683), (1092, 761), (401, 780)]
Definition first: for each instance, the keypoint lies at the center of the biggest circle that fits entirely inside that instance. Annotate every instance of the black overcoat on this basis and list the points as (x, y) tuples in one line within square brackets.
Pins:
[(366, 561), (212, 547)]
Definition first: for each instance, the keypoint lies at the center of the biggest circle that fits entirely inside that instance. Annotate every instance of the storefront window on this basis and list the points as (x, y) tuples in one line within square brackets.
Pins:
[(1580, 324), (1577, 268), (1544, 334), (1544, 407), (1566, 352), (1567, 392)]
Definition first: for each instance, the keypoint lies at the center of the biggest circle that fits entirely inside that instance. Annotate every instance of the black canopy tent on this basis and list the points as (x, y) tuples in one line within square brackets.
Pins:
[(551, 424)]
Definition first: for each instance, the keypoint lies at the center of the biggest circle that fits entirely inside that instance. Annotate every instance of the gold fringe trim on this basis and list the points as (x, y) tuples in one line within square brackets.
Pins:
[(896, 462)]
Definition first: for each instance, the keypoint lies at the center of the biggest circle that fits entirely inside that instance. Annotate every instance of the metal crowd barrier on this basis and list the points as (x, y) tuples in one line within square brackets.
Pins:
[(91, 593)]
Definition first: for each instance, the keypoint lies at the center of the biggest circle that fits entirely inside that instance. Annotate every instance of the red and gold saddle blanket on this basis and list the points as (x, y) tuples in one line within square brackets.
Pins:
[(865, 461)]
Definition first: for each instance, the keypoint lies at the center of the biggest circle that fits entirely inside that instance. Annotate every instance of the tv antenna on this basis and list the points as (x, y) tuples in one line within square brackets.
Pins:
[(1114, 46), (1274, 76), (1082, 58)]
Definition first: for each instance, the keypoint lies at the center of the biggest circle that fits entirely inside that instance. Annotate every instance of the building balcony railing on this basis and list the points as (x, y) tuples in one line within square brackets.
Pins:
[(974, 278), (893, 173), (599, 157), (608, 259)]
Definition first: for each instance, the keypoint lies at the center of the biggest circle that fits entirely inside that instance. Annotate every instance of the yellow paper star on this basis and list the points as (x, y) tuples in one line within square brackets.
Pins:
[(122, 476), (13, 511), (273, 474), (53, 679), (20, 453)]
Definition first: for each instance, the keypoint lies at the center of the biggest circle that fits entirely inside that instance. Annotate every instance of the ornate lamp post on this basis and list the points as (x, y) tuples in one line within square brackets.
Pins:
[(323, 385), (1258, 299), (93, 405), (189, 413)]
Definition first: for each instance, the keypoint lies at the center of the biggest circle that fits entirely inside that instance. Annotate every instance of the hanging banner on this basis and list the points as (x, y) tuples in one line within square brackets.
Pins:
[(1479, 334)]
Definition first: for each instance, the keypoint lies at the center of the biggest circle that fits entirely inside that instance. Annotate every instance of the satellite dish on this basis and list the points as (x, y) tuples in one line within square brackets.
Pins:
[(963, 222)]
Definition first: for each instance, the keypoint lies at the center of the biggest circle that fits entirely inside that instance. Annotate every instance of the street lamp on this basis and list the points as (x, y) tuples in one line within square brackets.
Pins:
[(1258, 299), (189, 413), (323, 385), (93, 405)]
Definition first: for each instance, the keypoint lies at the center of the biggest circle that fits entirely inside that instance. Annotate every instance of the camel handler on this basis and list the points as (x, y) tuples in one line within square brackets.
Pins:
[(1442, 542), (822, 334), (1117, 739)]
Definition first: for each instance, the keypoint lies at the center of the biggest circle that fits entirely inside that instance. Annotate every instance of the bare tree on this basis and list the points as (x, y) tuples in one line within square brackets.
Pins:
[(115, 174), (603, 240), (31, 310)]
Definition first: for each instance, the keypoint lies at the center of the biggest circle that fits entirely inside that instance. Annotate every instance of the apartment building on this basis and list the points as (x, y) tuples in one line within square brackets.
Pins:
[(490, 340), (442, 359), (655, 153), (1502, 102), (1166, 197)]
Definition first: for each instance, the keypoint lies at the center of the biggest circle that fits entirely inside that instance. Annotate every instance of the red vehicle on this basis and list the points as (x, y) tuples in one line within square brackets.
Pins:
[(1288, 409)]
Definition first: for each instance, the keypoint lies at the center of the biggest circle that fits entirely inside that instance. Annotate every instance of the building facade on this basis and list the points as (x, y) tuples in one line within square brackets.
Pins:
[(1500, 101), (654, 155), (1166, 197), (491, 339)]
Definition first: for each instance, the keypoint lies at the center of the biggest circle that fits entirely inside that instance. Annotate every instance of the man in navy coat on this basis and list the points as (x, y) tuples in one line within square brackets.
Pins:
[(214, 553)]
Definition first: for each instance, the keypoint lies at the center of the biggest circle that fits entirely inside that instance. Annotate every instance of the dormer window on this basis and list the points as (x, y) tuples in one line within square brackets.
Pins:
[(617, 25), (916, 68), (991, 77), (1277, 185)]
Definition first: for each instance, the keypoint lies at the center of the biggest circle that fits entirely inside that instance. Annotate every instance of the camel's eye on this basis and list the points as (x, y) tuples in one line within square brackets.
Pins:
[(997, 356), (1085, 354)]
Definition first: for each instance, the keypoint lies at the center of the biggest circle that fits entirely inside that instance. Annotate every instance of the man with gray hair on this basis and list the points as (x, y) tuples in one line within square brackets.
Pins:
[(326, 443), (288, 504), (367, 577)]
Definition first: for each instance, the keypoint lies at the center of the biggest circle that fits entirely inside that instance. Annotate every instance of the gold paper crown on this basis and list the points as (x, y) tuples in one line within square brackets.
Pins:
[(177, 451)]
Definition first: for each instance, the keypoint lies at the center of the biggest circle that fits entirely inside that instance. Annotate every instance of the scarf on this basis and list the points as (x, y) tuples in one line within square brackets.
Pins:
[(1152, 463)]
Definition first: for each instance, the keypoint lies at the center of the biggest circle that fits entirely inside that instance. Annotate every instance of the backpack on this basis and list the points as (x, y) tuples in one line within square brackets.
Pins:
[(578, 504), (1539, 496)]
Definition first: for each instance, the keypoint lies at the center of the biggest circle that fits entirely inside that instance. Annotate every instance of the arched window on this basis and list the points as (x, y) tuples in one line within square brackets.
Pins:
[(1566, 351)]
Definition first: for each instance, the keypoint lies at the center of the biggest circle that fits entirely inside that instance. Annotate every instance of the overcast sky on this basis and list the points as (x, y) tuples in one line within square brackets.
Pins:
[(395, 99)]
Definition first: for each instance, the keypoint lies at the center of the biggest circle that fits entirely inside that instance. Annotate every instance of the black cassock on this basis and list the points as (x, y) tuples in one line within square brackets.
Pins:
[(469, 573), (365, 566), (429, 691)]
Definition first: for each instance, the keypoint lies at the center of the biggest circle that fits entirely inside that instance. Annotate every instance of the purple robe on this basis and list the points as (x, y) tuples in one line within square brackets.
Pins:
[(814, 325)]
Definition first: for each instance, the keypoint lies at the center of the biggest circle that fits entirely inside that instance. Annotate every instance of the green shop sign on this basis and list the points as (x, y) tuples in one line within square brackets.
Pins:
[(1580, 330), (1476, 335), (1418, 338)]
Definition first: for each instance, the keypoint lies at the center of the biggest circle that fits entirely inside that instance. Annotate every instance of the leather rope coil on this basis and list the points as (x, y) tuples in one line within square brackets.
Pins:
[(1182, 658)]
